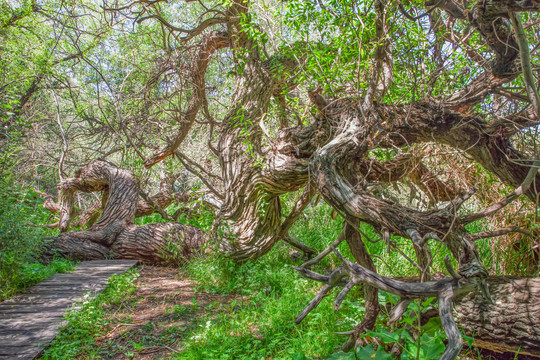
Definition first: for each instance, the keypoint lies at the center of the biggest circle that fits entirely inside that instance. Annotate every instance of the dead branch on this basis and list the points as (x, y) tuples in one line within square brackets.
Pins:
[(499, 232), (452, 332), (353, 274), (323, 253), (209, 45), (308, 251), (189, 168), (155, 206), (523, 188)]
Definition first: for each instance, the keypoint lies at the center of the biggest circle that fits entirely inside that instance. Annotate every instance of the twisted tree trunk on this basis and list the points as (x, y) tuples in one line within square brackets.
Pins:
[(114, 234), (332, 156)]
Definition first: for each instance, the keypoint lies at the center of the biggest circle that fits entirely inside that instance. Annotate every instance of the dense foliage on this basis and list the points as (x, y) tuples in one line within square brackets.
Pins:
[(22, 238)]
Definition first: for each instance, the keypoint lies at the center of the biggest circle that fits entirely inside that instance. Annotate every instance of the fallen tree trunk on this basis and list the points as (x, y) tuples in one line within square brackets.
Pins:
[(511, 324), (162, 199), (115, 234)]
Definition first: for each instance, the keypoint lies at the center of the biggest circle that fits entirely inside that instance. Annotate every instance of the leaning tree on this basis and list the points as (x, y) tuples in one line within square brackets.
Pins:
[(335, 99)]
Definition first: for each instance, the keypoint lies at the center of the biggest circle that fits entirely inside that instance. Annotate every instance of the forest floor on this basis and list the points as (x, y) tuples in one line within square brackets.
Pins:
[(152, 322), (159, 313)]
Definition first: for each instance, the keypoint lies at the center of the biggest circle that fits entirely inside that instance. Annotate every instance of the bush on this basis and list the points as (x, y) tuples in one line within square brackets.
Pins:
[(21, 243)]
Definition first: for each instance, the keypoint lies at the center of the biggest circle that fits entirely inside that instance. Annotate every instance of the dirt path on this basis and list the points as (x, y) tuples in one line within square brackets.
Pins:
[(152, 322)]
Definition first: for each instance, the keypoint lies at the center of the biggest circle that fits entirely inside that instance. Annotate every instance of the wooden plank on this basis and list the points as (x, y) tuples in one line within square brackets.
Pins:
[(30, 321), (34, 308), (25, 320), (73, 281), (36, 299), (65, 289), (9, 351), (29, 337), (55, 300)]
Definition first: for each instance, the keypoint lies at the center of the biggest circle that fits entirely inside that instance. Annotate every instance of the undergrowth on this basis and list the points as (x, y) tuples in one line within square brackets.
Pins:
[(264, 327), (22, 239), (261, 324)]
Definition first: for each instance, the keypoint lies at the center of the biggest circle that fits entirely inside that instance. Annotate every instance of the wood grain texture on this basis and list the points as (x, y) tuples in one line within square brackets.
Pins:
[(29, 322)]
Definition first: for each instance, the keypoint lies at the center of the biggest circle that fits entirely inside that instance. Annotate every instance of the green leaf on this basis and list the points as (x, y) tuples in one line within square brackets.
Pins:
[(432, 326), (368, 353), (342, 356)]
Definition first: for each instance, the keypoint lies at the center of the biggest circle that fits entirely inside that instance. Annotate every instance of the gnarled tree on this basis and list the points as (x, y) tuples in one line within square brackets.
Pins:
[(364, 84)]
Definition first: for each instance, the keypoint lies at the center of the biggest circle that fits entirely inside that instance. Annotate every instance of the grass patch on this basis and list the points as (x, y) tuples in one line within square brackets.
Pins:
[(263, 327), (28, 274)]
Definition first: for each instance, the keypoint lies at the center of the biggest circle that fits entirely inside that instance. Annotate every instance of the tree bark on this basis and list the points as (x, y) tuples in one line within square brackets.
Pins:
[(511, 324), (371, 294), (163, 198), (114, 234)]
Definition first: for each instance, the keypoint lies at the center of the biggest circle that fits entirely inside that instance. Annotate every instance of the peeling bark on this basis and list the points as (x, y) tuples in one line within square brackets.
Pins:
[(114, 234)]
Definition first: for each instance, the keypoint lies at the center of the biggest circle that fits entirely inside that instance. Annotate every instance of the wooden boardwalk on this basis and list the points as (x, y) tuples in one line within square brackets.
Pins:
[(30, 321)]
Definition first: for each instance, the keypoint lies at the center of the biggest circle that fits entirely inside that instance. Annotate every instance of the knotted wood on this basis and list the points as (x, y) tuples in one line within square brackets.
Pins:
[(114, 234)]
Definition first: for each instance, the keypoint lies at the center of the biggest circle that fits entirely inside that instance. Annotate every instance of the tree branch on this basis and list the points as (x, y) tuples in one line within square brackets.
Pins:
[(209, 44)]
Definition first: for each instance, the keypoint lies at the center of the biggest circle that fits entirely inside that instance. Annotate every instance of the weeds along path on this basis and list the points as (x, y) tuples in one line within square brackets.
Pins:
[(153, 319)]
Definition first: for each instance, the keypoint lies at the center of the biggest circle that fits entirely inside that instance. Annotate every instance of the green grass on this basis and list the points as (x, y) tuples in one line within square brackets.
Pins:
[(28, 274), (262, 327), (21, 242)]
